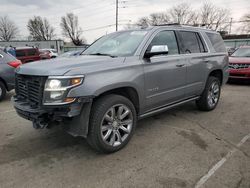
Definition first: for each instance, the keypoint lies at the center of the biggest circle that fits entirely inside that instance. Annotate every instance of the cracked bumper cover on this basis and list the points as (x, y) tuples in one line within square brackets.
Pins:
[(74, 117)]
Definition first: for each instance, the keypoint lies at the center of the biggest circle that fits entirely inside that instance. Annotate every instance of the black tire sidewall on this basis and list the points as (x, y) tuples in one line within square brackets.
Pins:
[(2, 86), (97, 114), (203, 101)]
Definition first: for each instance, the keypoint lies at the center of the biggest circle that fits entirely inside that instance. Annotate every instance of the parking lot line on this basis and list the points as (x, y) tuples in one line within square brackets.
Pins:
[(220, 163)]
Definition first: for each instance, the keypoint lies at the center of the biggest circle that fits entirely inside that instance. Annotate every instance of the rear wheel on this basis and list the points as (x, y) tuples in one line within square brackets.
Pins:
[(211, 95), (2, 90), (112, 123)]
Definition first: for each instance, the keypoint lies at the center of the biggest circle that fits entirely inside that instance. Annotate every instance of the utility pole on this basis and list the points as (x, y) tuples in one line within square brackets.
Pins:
[(230, 26), (116, 16)]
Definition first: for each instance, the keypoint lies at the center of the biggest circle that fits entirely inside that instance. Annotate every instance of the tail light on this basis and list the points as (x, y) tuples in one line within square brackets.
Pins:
[(15, 64)]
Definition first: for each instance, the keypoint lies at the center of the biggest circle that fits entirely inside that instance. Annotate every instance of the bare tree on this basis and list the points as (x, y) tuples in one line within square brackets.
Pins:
[(245, 26), (70, 29), (183, 14), (213, 17), (8, 29), (40, 29), (153, 19)]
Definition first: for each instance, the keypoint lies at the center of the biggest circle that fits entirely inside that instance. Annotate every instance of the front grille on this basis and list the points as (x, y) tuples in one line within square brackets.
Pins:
[(238, 66), (30, 89)]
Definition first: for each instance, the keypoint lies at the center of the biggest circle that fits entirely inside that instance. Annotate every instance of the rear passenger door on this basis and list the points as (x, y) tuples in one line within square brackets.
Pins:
[(195, 51)]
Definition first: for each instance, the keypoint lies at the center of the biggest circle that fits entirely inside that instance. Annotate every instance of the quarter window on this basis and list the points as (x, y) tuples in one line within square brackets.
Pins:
[(165, 38), (190, 42), (217, 42)]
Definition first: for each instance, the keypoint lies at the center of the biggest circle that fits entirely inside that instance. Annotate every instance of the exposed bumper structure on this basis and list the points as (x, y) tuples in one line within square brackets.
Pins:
[(74, 117)]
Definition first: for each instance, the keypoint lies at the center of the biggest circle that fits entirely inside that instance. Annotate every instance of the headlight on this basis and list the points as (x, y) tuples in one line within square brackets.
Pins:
[(54, 84), (56, 89)]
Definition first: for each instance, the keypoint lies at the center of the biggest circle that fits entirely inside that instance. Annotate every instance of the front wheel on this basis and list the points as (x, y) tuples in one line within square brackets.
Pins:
[(211, 95), (112, 123)]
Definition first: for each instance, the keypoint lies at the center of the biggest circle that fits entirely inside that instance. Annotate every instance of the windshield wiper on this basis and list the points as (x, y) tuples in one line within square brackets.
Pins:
[(102, 54)]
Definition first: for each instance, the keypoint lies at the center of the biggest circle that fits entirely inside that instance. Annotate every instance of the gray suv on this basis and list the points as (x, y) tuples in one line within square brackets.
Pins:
[(123, 77)]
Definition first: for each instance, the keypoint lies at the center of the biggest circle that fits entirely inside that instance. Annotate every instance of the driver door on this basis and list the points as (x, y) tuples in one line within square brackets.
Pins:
[(165, 75)]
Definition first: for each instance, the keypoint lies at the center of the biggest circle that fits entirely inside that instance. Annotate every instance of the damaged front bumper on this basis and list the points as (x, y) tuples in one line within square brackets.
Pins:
[(73, 117)]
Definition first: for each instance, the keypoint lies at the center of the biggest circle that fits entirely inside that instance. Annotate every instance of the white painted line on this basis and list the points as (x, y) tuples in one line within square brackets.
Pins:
[(8, 111), (220, 163)]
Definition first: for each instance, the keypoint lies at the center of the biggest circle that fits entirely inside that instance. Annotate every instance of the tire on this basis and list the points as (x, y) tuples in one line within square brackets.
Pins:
[(103, 132), (210, 96), (2, 90)]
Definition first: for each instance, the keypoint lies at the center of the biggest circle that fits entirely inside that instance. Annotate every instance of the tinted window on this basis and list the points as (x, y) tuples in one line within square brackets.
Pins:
[(190, 42), (20, 53), (166, 38), (31, 52), (217, 42)]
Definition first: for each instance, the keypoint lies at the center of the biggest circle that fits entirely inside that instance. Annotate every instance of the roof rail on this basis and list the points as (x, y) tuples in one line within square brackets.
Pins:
[(169, 24)]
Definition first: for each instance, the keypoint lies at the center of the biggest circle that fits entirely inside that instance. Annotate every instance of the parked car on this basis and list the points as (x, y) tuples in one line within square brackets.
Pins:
[(239, 64), (123, 77), (71, 53), (48, 53), (8, 63), (27, 54)]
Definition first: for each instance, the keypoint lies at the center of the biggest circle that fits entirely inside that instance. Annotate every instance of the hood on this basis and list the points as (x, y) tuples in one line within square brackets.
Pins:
[(62, 66), (244, 60)]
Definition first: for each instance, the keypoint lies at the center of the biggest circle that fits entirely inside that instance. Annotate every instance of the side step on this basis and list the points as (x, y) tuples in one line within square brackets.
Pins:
[(164, 108)]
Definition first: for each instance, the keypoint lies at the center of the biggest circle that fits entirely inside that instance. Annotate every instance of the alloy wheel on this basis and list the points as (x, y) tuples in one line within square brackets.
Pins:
[(116, 125), (213, 94)]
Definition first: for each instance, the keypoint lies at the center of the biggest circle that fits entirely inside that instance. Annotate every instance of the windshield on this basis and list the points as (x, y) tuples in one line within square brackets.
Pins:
[(118, 44), (241, 52)]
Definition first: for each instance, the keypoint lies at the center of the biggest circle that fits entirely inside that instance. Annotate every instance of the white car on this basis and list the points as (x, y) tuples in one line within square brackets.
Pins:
[(48, 53)]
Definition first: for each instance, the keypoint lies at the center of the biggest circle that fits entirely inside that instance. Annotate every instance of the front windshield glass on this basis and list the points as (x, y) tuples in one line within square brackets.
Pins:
[(118, 44), (241, 52)]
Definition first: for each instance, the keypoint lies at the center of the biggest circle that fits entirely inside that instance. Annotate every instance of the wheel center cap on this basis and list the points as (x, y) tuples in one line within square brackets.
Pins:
[(115, 124)]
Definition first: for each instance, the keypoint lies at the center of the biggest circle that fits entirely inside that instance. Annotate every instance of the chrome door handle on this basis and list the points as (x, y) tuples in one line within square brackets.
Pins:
[(180, 65)]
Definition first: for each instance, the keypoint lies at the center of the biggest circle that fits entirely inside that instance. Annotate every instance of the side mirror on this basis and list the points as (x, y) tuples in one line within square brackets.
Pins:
[(157, 50)]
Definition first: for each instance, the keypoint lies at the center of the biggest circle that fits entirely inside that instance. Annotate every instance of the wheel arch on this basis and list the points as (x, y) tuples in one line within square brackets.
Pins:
[(127, 91), (218, 73)]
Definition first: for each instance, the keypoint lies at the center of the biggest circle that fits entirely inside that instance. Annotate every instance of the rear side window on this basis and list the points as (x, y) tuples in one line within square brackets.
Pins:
[(190, 42), (31, 52), (217, 42), (20, 53), (166, 38)]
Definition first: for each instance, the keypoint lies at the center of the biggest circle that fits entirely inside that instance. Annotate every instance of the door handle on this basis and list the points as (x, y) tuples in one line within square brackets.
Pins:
[(206, 61), (180, 65)]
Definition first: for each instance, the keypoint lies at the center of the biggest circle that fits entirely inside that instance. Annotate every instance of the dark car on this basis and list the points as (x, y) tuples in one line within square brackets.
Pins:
[(27, 54), (8, 63), (239, 64)]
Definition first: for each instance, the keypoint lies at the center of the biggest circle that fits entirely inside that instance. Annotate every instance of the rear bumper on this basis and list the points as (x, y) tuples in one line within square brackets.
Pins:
[(74, 117)]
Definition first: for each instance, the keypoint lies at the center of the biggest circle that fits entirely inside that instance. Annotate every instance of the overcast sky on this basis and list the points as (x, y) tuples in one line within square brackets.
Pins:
[(98, 13)]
